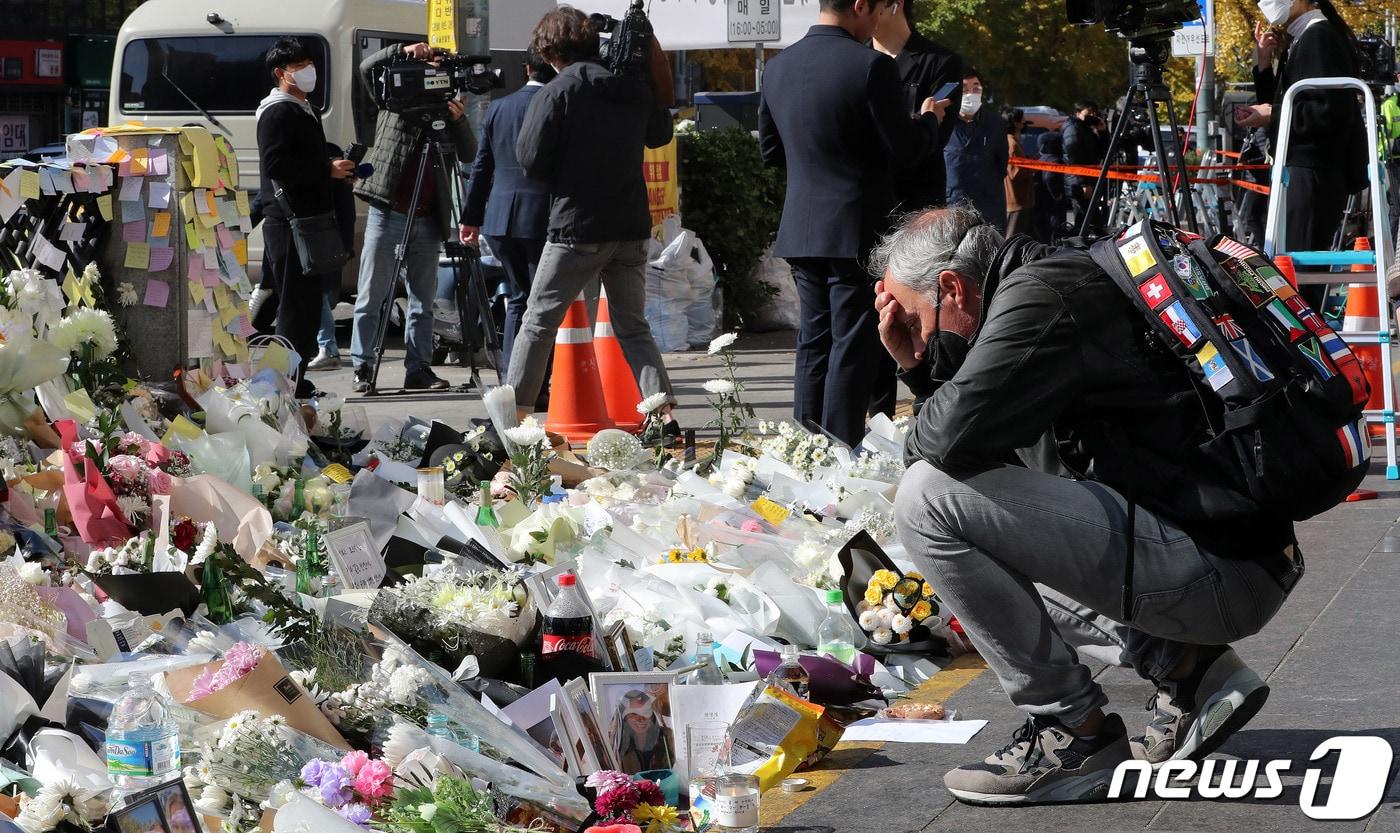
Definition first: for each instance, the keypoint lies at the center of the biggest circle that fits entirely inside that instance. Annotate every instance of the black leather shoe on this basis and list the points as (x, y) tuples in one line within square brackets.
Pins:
[(423, 380)]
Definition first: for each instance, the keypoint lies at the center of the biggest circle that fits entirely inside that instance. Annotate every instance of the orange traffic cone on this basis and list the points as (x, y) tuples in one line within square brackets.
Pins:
[(1363, 314), (619, 385), (1287, 269), (576, 406)]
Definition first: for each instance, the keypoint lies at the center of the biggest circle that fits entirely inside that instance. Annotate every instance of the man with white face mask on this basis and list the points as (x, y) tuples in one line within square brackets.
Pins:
[(292, 156), (976, 155)]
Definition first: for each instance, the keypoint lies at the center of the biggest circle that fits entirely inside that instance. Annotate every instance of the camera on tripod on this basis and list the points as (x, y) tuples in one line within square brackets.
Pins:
[(409, 86), (627, 50), (1134, 19), (1375, 58)]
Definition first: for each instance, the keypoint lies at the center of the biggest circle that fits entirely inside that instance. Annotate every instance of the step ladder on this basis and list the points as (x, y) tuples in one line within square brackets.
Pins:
[(1316, 267)]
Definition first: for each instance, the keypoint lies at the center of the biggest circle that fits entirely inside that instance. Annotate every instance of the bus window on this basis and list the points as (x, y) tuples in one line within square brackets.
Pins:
[(222, 74)]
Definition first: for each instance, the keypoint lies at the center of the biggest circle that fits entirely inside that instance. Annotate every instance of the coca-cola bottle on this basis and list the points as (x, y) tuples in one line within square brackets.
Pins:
[(568, 623)]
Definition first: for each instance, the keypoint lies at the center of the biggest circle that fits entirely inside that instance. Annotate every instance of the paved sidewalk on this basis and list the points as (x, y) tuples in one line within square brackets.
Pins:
[(1330, 658)]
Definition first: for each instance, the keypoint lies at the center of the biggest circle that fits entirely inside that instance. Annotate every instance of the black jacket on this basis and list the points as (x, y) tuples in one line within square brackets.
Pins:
[(832, 113), (1328, 134), (924, 66), (1082, 145), (501, 200), (583, 139), (1065, 375), (292, 151)]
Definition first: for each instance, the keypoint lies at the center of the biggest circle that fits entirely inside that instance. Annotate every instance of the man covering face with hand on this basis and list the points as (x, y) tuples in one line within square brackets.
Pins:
[(1059, 499)]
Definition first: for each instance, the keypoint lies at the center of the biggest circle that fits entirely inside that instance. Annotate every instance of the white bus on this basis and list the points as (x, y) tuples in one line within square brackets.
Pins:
[(176, 58)]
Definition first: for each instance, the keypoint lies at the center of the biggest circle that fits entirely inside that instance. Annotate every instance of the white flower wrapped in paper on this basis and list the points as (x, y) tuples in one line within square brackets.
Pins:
[(25, 363), (547, 528), (37, 297)]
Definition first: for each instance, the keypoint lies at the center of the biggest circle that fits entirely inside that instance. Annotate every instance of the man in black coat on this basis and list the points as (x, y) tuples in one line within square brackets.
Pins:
[(505, 205), (1085, 141), (292, 157), (924, 67), (832, 113)]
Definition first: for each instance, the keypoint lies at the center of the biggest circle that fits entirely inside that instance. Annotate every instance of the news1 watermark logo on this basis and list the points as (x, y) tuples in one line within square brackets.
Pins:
[(1359, 778)]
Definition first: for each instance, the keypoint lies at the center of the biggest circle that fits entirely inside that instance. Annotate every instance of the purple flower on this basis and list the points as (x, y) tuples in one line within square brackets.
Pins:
[(355, 814), (241, 658), (607, 779), (336, 786), (314, 772)]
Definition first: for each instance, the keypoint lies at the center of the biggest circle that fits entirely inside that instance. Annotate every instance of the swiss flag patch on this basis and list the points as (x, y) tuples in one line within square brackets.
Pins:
[(1155, 291)]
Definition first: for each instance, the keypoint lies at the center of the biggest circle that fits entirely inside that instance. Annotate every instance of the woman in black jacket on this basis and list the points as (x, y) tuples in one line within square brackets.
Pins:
[(1326, 148), (292, 154)]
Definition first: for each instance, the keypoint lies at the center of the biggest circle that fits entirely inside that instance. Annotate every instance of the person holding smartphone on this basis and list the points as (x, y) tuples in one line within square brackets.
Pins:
[(1327, 146)]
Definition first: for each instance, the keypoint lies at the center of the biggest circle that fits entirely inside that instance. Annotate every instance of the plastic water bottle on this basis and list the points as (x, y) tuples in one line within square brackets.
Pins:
[(143, 739), (440, 725), (709, 672), (791, 676), (836, 637)]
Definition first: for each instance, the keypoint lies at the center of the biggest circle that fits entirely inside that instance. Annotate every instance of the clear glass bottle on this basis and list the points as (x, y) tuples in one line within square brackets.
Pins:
[(143, 739), (790, 675), (836, 637), (485, 515), (709, 672)]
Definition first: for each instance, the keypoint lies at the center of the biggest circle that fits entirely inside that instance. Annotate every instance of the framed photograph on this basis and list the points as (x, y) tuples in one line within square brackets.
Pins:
[(569, 735), (597, 754), (635, 716), (618, 645), (544, 586), (163, 809), (531, 715)]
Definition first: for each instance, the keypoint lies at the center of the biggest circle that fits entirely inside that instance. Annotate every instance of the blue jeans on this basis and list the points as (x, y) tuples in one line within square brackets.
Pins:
[(383, 231), (325, 337)]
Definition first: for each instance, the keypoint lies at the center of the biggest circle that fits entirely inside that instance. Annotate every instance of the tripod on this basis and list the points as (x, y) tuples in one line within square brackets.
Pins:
[(467, 294), (1148, 61)]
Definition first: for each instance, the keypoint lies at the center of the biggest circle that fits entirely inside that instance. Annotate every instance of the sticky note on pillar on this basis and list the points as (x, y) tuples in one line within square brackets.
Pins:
[(104, 206), (160, 163), (134, 231), (159, 196), (240, 202), (131, 189), (191, 236), (140, 164), (157, 294), (196, 292), (138, 256), (225, 236), (187, 206), (240, 250), (161, 258), (160, 227), (278, 358)]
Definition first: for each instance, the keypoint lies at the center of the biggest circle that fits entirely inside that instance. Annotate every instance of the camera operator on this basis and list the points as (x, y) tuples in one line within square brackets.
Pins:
[(396, 156), (583, 137), (1048, 374)]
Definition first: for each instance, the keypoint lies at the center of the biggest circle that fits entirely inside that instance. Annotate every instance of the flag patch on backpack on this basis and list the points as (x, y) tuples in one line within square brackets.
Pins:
[(1288, 390)]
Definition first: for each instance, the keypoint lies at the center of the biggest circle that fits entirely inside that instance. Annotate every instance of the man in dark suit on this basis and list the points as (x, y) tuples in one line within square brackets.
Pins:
[(504, 204), (924, 67), (833, 113)]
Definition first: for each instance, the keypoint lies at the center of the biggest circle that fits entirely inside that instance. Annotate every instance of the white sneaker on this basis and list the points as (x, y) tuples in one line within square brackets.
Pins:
[(259, 297), (324, 361)]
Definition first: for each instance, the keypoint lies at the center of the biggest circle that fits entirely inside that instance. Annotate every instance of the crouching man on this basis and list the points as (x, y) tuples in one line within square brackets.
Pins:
[(1058, 500)]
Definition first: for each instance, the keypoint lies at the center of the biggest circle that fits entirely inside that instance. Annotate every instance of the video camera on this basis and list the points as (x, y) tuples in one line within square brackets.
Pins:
[(627, 50), (1134, 19), (1375, 59), (409, 86)]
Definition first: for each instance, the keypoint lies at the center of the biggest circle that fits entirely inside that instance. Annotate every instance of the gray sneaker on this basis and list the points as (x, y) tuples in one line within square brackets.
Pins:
[(1191, 718), (1044, 764), (324, 361)]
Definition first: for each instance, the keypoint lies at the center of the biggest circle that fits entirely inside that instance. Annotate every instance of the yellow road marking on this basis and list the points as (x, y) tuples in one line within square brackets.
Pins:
[(777, 805)]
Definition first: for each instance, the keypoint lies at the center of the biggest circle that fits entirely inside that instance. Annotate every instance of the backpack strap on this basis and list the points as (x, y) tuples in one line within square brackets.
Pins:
[(1177, 313)]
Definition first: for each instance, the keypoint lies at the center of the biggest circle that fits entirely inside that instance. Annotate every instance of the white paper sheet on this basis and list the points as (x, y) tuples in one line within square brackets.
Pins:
[(913, 731)]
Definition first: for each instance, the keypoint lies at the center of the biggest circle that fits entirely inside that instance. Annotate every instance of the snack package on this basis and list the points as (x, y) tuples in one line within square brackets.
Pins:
[(775, 733)]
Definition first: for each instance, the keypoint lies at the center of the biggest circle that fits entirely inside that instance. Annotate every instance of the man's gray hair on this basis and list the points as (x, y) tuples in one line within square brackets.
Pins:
[(927, 243)]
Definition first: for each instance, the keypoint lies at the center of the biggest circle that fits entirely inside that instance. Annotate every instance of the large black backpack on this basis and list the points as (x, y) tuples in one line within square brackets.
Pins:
[(1291, 389)]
